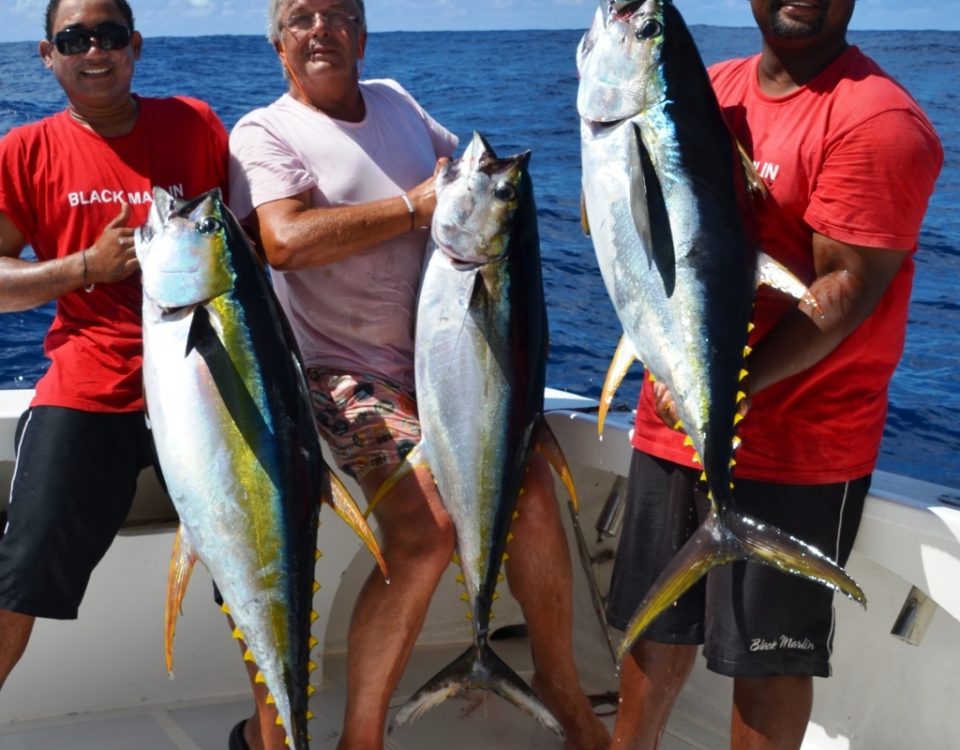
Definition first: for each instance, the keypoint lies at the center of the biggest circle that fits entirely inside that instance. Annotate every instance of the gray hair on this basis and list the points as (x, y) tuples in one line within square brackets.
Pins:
[(274, 24)]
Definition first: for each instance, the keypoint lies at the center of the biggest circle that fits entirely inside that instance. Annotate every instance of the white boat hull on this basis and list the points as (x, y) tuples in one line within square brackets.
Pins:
[(885, 693)]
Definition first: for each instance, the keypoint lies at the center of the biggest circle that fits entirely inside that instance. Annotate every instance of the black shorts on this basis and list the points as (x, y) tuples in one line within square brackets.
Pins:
[(73, 484), (753, 620)]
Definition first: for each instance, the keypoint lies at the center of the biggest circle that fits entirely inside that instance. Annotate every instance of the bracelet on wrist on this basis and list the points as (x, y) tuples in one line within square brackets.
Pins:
[(86, 287), (410, 209)]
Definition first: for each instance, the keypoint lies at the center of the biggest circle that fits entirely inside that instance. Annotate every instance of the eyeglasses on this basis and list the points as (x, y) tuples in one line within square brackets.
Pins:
[(334, 20), (76, 40)]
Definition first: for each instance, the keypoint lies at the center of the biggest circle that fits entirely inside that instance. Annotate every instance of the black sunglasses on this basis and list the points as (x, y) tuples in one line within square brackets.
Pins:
[(76, 40)]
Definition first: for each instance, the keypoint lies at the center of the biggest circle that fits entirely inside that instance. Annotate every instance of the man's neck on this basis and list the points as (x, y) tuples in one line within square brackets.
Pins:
[(111, 121), (783, 70)]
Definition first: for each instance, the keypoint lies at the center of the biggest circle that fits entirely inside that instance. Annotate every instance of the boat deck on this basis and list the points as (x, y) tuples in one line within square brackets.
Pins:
[(478, 721)]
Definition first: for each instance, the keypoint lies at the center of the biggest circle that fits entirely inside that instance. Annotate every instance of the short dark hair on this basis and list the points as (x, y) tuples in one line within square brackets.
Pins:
[(122, 5)]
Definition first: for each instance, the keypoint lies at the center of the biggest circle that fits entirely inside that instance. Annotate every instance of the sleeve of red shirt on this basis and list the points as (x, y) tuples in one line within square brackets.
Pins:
[(15, 185), (894, 157)]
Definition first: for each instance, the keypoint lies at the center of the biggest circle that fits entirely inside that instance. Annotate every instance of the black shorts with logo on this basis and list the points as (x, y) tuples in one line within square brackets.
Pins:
[(753, 620), (73, 484)]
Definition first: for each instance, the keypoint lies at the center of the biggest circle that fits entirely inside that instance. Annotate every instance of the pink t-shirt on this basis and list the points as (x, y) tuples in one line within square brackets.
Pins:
[(356, 314), (852, 157)]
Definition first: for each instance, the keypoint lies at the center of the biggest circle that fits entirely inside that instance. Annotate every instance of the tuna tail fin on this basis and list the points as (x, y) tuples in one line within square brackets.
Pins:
[(182, 561), (622, 359), (343, 503), (720, 540), (477, 668)]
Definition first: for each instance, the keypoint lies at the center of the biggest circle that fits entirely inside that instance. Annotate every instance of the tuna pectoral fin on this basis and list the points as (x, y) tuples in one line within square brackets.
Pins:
[(550, 449), (651, 217), (622, 359), (735, 537), (773, 273), (343, 503), (477, 668), (182, 561)]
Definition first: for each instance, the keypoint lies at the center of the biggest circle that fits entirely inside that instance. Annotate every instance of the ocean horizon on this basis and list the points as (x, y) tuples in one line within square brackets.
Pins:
[(475, 81)]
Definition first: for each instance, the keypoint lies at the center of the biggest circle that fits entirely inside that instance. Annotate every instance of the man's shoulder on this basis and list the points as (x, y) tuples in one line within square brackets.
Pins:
[(726, 70), (30, 131), (176, 106), (867, 88)]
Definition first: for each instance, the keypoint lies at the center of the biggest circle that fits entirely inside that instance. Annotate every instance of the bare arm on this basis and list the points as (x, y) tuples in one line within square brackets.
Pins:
[(25, 284), (295, 235), (850, 282)]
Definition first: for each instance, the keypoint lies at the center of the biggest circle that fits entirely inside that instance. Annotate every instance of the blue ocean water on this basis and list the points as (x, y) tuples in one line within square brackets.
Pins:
[(519, 90)]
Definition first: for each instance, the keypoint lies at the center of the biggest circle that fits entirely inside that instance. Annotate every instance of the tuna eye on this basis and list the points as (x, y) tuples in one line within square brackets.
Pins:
[(208, 225), (649, 29), (505, 192)]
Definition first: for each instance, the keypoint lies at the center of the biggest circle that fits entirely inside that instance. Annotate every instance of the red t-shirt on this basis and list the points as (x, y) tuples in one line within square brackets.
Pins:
[(851, 156), (61, 184)]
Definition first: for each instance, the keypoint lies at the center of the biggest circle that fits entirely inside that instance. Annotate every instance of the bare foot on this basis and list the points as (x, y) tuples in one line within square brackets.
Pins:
[(570, 706)]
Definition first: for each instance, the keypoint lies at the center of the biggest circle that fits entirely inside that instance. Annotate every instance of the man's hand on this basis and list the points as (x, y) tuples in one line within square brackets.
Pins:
[(112, 257)]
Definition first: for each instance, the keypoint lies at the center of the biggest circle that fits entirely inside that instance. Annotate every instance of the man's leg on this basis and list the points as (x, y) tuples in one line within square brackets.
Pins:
[(417, 541), (651, 677), (538, 572), (260, 731), (15, 632), (770, 713)]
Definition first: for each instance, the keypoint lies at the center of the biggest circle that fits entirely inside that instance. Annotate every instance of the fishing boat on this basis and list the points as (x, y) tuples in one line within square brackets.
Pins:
[(100, 682)]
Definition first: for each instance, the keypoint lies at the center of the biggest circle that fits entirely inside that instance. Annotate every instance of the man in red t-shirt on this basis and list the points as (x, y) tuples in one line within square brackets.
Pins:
[(74, 186), (850, 161)]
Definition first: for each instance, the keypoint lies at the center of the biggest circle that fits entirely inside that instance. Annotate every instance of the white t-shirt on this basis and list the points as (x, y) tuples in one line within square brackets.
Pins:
[(356, 314)]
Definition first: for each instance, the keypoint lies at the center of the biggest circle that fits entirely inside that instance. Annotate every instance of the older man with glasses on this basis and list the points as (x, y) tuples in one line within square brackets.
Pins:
[(73, 186), (336, 178)]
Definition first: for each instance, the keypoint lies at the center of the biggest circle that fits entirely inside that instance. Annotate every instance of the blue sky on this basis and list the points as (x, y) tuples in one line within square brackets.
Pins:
[(23, 19)]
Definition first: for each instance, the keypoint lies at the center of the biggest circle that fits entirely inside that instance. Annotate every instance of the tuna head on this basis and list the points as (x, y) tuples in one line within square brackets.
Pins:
[(477, 200), (183, 250), (619, 60)]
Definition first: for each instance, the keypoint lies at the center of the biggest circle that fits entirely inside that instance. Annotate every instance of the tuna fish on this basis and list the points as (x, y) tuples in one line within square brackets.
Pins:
[(481, 349), (235, 438), (663, 189)]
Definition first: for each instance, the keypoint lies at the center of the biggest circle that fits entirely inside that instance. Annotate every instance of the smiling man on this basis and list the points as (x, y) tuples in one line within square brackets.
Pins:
[(850, 162), (73, 186), (336, 177)]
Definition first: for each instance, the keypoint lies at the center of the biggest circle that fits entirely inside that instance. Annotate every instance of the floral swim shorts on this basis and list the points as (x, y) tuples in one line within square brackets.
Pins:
[(366, 420)]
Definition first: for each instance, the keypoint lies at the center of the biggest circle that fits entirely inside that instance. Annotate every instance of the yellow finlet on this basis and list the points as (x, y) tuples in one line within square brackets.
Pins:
[(313, 616), (311, 666), (237, 635), (248, 655), (317, 554), (743, 374), (270, 701), (747, 351), (260, 679), (313, 642), (316, 586)]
